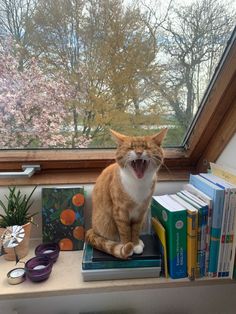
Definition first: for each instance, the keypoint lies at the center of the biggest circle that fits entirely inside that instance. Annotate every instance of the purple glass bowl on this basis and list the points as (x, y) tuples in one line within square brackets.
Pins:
[(38, 268), (50, 250)]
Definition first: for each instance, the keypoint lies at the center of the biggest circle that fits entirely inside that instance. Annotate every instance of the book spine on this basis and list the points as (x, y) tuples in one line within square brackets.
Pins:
[(215, 234), (218, 204), (223, 173), (222, 248), (175, 224), (199, 244), (230, 234), (161, 234), (208, 226), (208, 237), (178, 244), (232, 266), (122, 264), (192, 228), (203, 228)]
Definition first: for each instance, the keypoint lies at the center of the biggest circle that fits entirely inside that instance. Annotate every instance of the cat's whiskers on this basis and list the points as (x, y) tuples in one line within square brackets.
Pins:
[(162, 164), (169, 171), (157, 159)]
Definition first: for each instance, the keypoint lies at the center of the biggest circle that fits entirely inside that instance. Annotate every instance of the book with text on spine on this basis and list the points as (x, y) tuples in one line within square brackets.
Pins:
[(173, 217), (192, 236), (217, 195), (202, 199), (202, 230), (227, 227)]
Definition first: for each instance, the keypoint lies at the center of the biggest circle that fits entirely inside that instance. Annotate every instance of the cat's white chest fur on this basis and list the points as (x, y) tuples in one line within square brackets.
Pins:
[(137, 189)]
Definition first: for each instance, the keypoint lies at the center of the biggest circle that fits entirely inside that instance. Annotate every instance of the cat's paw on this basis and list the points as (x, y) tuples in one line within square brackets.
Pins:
[(141, 243), (138, 248), (127, 250)]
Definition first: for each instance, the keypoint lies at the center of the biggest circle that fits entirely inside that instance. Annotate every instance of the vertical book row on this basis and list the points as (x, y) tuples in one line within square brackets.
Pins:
[(199, 223)]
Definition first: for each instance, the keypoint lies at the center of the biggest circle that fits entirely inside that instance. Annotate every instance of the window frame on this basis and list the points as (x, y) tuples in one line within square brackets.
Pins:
[(210, 132)]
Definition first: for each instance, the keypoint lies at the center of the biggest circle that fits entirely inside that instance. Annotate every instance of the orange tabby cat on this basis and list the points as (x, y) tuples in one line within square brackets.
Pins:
[(122, 195)]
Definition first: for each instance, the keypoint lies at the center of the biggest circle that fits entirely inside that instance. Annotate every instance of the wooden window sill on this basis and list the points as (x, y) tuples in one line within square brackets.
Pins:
[(66, 279), (80, 166)]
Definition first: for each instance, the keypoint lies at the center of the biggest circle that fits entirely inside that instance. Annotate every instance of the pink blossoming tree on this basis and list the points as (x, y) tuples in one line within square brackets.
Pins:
[(34, 107)]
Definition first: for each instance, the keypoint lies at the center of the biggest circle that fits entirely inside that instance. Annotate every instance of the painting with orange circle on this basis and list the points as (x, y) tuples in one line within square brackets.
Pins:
[(63, 217)]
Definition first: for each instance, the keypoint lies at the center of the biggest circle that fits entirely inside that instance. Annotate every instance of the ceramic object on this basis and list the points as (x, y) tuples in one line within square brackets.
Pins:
[(38, 268), (22, 249), (50, 250)]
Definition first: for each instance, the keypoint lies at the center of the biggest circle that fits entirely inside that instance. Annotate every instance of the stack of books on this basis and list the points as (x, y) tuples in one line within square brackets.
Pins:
[(97, 265), (200, 225)]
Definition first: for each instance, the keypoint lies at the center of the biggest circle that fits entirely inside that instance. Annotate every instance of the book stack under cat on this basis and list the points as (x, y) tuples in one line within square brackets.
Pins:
[(97, 265)]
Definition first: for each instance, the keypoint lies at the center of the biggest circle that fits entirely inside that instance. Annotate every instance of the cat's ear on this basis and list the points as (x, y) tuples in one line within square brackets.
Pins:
[(159, 137), (119, 138)]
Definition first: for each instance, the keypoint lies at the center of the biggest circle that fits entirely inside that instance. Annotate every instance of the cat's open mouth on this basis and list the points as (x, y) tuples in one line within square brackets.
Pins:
[(139, 166)]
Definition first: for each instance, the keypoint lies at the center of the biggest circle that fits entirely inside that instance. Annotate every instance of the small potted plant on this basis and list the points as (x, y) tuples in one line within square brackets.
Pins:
[(16, 212)]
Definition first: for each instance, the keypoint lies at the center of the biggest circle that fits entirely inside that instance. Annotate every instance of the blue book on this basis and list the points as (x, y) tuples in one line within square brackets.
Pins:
[(151, 257), (227, 229), (216, 193)]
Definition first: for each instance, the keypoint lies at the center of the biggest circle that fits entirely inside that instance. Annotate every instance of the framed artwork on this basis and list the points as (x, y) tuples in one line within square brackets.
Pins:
[(63, 217)]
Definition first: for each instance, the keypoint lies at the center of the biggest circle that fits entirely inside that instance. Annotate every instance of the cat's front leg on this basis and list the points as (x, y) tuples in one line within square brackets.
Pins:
[(125, 237), (138, 243), (123, 226)]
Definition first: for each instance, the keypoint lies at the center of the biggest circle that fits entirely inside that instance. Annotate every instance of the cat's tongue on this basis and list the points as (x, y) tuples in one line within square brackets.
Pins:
[(139, 167)]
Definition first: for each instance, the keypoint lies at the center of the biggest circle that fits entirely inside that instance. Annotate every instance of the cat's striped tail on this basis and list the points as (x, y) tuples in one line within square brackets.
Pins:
[(116, 249)]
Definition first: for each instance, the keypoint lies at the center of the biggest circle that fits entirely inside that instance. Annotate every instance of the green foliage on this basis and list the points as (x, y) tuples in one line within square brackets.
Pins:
[(16, 211)]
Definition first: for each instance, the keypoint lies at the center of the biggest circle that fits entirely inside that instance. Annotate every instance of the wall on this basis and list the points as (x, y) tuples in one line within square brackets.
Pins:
[(227, 158), (192, 300)]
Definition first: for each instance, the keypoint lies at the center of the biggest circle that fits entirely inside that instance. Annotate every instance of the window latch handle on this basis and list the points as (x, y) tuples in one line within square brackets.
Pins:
[(28, 171)]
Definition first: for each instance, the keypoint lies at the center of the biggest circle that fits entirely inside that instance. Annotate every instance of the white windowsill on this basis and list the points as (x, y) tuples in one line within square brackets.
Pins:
[(66, 279)]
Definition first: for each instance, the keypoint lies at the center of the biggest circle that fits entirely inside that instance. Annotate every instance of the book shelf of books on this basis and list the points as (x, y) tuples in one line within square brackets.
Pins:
[(199, 225)]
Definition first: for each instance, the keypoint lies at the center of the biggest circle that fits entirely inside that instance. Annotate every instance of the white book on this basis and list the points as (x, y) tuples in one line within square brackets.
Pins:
[(227, 229)]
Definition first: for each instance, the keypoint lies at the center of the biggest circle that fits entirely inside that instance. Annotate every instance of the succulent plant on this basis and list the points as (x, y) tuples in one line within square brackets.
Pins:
[(16, 210)]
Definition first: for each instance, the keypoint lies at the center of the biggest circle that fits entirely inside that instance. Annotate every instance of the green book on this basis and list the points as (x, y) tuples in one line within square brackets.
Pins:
[(173, 217)]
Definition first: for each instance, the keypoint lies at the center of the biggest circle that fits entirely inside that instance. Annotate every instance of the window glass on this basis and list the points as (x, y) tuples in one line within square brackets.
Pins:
[(72, 69)]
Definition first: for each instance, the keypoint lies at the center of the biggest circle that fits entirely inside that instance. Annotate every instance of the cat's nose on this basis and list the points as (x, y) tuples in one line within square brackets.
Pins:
[(139, 154)]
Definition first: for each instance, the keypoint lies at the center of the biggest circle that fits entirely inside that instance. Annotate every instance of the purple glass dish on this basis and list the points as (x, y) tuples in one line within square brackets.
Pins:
[(38, 268), (50, 250)]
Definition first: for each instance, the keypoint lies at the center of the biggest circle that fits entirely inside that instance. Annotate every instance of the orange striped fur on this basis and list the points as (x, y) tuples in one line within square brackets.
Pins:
[(122, 195)]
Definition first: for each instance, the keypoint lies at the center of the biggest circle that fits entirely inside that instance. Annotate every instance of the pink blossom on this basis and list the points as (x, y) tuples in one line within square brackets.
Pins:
[(34, 106)]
